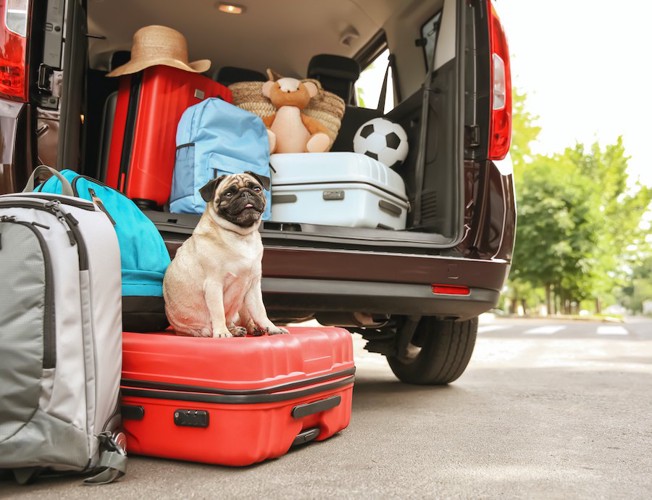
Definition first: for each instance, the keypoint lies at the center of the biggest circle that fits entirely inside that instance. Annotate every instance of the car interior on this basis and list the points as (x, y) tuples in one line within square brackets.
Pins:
[(333, 42)]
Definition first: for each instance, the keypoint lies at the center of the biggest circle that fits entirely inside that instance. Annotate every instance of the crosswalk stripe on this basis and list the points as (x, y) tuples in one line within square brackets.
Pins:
[(552, 329), (612, 330), (544, 330), (492, 328)]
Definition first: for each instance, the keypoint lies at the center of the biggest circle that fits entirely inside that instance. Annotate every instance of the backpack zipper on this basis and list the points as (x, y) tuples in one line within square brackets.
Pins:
[(49, 317), (93, 195), (96, 199), (39, 195), (65, 218)]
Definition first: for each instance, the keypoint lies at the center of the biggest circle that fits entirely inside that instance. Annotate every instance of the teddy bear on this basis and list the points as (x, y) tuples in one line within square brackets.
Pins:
[(290, 130)]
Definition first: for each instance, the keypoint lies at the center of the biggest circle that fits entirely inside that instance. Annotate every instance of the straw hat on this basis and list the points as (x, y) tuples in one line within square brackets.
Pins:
[(154, 45)]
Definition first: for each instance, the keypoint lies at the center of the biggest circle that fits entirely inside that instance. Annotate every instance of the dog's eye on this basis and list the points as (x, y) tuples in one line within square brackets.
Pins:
[(228, 194), (257, 189)]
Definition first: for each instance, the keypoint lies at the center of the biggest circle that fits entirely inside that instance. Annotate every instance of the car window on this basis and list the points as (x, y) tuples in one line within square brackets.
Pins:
[(429, 32), (369, 86)]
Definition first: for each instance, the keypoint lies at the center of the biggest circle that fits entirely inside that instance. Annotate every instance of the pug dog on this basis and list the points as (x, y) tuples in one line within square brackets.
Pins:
[(212, 286)]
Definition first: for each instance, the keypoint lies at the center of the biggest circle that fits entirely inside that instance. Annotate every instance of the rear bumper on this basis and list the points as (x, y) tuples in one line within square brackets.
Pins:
[(282, 295), (301, 280)]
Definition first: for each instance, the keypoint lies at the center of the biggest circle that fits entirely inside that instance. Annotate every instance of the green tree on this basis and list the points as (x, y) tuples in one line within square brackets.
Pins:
[(524, 133), (578, 229), (578, 223), (618, 208), (638, 287), (555, 232)]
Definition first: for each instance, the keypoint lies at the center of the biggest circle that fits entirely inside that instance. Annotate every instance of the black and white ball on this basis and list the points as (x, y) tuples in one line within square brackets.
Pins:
[(382, 140)]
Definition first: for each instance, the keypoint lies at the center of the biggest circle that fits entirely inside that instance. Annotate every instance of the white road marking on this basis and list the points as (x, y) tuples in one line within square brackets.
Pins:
[(544, 330), (612, 330), (492, 328)]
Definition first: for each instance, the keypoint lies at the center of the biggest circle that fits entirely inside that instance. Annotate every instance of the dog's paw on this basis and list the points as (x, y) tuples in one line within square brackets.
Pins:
[(238, 331), (221, 335), (203, 332), (273, 330), (258, 331)]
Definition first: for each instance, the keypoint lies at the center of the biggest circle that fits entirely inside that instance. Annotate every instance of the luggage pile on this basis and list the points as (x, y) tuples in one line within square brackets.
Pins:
[(88, 368), (174, 129)]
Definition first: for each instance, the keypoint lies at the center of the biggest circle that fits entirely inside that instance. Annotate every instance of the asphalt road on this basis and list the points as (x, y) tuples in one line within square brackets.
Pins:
[(546, 409)]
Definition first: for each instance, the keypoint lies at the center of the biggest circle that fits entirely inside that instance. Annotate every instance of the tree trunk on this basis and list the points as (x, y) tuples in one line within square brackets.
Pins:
[(512, 304), (548, 300)]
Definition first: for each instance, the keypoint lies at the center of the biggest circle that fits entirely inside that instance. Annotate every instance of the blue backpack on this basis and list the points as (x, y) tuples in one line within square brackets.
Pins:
[(216, 138), (143, 254)]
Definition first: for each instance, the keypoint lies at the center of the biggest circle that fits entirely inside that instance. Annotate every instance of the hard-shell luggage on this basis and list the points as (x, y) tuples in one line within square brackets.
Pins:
[(216, 138), (149, 106), (337, 189), (60, 336), (235, 401), (143, 255)]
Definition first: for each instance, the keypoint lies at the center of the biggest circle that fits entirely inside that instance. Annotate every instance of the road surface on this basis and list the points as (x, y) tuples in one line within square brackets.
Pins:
[(546, 410)]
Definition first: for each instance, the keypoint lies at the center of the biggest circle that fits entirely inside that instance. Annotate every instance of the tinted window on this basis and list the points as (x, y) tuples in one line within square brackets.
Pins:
[(429, 37)]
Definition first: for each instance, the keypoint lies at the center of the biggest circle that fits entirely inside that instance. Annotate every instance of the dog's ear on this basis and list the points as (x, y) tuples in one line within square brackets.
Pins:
[(207, 192), (264, 181)]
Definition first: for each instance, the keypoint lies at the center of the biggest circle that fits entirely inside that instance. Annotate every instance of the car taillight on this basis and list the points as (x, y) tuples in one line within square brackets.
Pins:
[(500, 135), (13, 49)]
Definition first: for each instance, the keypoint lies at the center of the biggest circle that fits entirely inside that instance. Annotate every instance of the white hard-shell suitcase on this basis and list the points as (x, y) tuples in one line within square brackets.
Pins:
[(337, 189)]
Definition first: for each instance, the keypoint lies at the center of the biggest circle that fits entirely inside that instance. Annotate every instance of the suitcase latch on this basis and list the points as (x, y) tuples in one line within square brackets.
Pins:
[(333, 195), (191, 418)]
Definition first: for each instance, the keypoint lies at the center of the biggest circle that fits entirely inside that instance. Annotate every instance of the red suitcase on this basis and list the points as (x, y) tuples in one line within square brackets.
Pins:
[(234, 401), (143, 142)]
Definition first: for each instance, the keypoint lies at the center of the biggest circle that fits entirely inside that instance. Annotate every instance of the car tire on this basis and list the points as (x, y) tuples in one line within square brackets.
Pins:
[(439, 352)]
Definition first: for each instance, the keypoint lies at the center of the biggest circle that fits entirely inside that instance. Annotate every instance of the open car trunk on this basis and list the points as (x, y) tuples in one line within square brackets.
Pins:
[(433, 172)]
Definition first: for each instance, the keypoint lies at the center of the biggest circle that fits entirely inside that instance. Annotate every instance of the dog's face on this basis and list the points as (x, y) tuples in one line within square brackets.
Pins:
[(238, 198)]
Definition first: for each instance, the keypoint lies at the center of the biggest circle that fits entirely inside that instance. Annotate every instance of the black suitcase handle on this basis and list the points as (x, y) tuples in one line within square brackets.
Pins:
[(301, 411), (306, 436)]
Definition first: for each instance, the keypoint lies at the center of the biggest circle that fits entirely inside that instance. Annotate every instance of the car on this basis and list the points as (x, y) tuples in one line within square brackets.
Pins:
[(438, 68)]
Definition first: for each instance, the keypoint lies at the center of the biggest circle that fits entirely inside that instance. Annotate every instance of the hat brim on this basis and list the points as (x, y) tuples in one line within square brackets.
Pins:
[(135, 66)]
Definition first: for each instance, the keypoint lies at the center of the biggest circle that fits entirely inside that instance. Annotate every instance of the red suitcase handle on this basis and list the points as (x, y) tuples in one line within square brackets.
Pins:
[(301, 411)]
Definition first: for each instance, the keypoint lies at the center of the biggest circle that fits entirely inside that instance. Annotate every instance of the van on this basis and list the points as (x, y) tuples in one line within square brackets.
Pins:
[(438, 68)]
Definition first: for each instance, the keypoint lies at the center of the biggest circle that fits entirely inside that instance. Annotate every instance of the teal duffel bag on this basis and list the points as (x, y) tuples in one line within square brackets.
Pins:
[(143, 255)]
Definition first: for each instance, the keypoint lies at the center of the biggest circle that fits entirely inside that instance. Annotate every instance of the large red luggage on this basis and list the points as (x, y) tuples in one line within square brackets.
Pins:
[(234, 401), (143, 141)]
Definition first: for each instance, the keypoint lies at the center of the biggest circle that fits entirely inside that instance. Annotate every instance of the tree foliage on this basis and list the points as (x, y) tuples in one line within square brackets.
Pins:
[(524, 133), (579, 220), (639, 289)]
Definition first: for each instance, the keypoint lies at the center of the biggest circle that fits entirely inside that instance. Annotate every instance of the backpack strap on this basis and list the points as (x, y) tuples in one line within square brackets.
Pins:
[(66, 188), (113, 461)]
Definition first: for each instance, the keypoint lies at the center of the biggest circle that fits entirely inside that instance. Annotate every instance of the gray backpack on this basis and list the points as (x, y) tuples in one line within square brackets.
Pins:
[(60, 337)]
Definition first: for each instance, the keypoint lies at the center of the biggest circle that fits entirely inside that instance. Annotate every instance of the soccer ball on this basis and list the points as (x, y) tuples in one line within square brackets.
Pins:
[(382, 140)]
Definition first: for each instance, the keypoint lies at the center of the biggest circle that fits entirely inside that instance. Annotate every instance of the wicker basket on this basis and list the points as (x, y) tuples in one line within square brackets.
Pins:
[(325, 107)]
